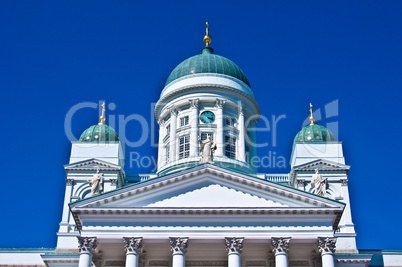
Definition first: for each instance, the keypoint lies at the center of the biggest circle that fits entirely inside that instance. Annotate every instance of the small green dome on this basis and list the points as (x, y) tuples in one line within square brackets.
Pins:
[(99, 132), (207, 62), (314, 133)]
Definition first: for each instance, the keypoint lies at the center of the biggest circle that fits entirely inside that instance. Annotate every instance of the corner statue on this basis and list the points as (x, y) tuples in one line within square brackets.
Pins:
[(319, 184), (96, 183), (207, 148)]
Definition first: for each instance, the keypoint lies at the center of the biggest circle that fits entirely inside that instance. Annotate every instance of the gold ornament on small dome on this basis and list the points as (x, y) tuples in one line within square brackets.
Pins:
[(312, 119), (102, 118), (207, 37)]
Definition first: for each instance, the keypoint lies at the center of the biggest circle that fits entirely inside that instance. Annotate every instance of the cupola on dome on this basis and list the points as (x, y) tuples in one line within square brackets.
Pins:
[(207, 62), (99, 132), (314, 132)]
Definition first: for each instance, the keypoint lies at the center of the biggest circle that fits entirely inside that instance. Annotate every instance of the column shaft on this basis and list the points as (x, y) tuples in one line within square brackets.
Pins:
[(161, 145), (234, 260), (173, 128), (85, 260), (328, 260), (219, 128), (179, 260), (132, 260), (194, 128), (242, 130), (281, 260)]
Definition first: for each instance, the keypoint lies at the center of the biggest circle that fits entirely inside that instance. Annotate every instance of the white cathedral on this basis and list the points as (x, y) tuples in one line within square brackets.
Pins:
[(206, 205)]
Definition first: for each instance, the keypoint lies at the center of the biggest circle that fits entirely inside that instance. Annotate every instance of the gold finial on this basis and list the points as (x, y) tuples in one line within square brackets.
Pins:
[(311, 115), (207, 37), (102, 118)]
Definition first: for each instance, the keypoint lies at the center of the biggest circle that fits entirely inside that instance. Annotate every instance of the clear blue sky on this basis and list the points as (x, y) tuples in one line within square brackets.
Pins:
[(56, 54)]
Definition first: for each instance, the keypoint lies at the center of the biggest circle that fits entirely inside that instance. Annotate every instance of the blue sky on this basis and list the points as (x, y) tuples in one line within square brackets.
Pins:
[(55, 55)]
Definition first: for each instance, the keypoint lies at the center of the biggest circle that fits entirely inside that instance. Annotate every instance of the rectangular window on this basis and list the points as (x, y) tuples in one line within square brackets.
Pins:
[(230, 121), (168, 130), (183, 121), (184, 146), (205, 135), (230, 147), (167, 147)]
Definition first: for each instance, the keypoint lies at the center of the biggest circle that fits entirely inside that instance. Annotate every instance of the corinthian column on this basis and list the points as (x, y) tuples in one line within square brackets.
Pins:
[(161, 145), (194, 127), (234, 247), (219, 127), (86, 246), (173, 128), (178, 246), (280, 247), (133, 246), (326, 245)]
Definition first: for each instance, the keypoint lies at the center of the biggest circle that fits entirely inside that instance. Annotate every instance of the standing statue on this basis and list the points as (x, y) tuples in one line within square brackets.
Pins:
[(96, 183), (319, 184), (207, 148)]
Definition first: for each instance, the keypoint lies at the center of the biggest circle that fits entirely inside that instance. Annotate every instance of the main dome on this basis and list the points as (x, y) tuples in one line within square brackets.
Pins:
[(207, 62)]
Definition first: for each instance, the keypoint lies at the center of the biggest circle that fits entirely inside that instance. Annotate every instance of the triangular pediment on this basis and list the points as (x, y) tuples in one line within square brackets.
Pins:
[(321, 164), (92, 164), (206, 186)]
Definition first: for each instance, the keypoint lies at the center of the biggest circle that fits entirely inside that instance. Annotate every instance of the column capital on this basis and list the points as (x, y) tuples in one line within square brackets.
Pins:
[(173, 110), (178, 245), (133, 245), (193, 103), (344, 182), (326, 245), (241, 109), (69, 181), (87, 245), (220, 103), (234, 245), (161, 123), (280, 245), (300, 182)]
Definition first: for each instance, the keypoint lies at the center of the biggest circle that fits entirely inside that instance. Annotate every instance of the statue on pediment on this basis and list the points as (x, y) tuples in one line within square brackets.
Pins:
[(207, 148), (319, 184), (96, 183)]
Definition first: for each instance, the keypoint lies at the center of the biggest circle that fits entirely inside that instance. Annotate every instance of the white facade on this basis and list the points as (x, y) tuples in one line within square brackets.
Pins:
[(219, 213)]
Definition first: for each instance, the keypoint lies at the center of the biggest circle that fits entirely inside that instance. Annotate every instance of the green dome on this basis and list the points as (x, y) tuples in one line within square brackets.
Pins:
[(314, 133), (207, 62), (99, 132)]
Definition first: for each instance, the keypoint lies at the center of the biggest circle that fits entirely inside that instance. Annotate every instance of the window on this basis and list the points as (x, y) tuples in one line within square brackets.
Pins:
[(167, 147), (230, 147), (183, 121), (205, 135), (184, 146), (168, 130), (230, 121)]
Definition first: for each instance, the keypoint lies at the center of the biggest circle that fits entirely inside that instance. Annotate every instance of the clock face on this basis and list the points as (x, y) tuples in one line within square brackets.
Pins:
[(207, 117)]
